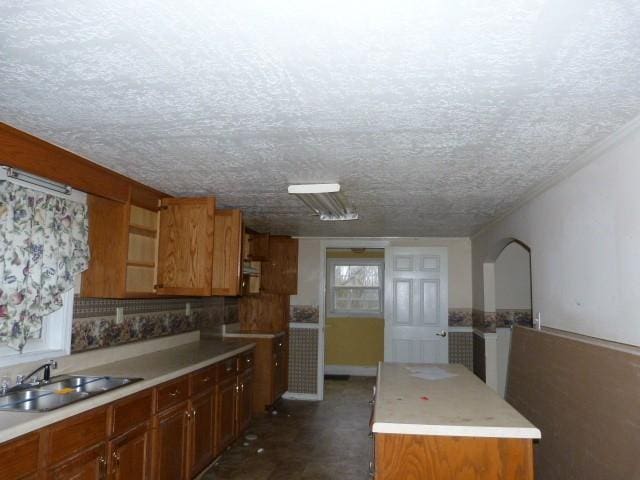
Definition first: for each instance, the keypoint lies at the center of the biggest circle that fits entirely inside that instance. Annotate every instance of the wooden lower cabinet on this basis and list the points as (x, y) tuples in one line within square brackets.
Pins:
[(244, 400), (129, 455), (225, 419), (201, 432), (452, 458), (270, 380), (170, 443), (19, 457), (90, 464), (169, 432)]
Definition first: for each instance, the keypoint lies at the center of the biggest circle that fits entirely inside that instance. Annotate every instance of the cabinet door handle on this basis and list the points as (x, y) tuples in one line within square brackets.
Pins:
[(175, 393), (188, 415), (205, 379), (193, 412), (102, 466), (237, 388), (116, 457)]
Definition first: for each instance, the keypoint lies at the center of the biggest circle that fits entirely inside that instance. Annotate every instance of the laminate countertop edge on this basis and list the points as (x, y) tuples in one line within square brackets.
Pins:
[(188, 358), (443, 400)]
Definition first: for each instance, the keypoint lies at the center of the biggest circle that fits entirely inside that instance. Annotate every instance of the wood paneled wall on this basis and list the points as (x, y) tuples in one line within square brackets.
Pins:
[(584, 395)]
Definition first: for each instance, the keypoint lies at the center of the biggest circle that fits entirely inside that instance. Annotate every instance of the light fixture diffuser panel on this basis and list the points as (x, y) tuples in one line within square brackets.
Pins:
[(314, 188)]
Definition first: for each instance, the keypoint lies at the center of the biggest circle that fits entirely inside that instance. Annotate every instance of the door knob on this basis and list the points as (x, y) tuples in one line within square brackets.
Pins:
[(443, 333)]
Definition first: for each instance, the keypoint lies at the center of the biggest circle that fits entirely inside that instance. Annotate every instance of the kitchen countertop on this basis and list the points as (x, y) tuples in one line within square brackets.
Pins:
[(246, 334), (155, 368), (460, 405)]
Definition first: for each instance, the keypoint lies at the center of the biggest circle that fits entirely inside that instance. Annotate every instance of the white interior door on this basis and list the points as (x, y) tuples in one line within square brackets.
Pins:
[(416, 305)]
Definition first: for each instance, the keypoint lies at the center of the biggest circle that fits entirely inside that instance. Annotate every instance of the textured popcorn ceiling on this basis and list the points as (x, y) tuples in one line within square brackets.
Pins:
[(434, 115)]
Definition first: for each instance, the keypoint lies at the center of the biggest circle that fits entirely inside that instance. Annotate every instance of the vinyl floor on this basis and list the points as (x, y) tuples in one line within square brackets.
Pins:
[(306, 440)]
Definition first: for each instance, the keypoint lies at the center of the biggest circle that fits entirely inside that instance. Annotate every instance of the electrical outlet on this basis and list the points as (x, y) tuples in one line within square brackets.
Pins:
[(187, 309), (119, 315), (537, 321)]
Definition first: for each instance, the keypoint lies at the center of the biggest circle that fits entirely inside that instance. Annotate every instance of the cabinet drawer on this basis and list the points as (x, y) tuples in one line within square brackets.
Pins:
[(246, 361), (202, 380), (19, 458), (131, 411), (88, 464), (76, 434), (172, 393), (227, 368)]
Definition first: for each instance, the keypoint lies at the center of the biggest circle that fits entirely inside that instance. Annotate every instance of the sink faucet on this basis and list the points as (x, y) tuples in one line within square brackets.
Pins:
[(45, 376)]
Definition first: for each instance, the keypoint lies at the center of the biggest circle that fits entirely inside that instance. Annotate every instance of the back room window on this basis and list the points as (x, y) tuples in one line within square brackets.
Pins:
[(356, 287)]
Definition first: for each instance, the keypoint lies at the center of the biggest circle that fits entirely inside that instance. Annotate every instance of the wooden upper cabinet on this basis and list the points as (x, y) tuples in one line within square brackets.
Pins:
[(123, 243), (227, 253), (106, 274), (185, 246), (257, 246), (280, 271)]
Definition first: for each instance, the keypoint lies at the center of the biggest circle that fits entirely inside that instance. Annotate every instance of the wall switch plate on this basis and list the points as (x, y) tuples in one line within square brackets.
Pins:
[(187, 309), (119, 315)]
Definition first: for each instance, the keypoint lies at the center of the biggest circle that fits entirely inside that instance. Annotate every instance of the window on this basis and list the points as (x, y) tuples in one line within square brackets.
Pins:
[(355, 287), (54, 341), (55, 335)]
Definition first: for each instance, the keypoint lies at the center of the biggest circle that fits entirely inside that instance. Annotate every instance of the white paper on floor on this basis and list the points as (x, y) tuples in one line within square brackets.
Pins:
[(430, 373)]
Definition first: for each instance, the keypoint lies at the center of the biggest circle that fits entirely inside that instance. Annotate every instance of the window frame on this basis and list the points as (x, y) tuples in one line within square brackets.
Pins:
[(334, 313)]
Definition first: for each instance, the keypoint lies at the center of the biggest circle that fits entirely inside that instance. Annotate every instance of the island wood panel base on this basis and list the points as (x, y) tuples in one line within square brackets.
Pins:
[(421, 457)]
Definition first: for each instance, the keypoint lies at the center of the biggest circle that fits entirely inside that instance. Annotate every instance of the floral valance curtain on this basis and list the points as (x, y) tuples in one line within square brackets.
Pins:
[(43, 244)]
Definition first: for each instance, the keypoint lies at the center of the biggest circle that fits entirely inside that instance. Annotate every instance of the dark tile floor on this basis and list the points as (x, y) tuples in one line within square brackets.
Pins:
[(306, 440)]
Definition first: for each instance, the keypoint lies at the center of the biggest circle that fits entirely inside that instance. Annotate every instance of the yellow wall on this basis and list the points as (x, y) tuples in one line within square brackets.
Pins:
[(354, 341)]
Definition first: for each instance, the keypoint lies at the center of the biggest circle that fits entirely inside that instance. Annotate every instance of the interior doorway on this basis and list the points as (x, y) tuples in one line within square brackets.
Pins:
[(513, 301), (354, 311)]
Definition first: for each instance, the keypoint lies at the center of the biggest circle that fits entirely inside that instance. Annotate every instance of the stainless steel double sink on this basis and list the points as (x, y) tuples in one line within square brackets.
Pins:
[(59, 392)]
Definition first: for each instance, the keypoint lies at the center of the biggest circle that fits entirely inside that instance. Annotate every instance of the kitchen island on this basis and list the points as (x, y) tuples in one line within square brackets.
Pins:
[(441, 421)]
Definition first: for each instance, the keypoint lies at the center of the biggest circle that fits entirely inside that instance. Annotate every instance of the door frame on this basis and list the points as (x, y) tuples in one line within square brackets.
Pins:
[(322, 295)]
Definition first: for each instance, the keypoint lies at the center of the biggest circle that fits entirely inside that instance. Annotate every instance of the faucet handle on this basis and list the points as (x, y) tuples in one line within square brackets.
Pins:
[(54, 364), (19, 379)]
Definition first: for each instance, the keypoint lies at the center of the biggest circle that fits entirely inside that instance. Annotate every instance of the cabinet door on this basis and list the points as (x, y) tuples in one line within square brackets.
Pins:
[(170, 444), (88, 465), (280, 271), (245, 400), (185, 246), (225, 421), (280, 367), (129, 455), (227, 253), (258, 246), (201, 434), (108, 240)]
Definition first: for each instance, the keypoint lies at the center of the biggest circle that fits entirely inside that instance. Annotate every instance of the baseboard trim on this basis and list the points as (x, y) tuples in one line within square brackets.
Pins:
[(354, 370), (301, 396)]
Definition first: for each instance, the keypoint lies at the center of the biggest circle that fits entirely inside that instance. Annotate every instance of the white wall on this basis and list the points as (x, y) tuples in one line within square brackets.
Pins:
[(584, 235), (460, 293), (513, 278), (309, 263)]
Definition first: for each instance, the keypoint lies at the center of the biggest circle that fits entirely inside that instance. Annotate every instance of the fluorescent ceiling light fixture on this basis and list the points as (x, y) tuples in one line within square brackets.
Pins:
[(325, 200), (39, 181)]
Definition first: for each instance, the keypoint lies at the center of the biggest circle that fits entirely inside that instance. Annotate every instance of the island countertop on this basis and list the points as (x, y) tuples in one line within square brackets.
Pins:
[(155, 368), (458, 405)]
